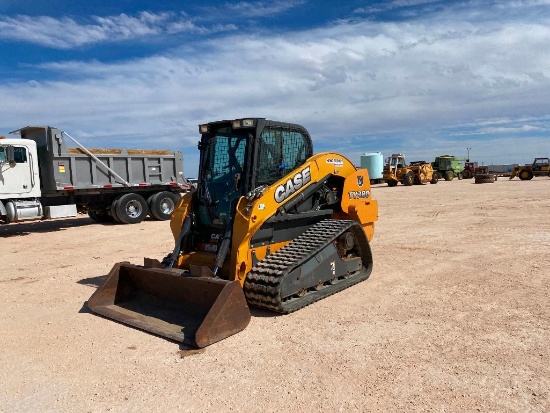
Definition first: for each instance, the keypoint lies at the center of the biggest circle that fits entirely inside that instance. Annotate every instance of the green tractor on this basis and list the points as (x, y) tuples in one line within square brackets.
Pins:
[(448, 167)]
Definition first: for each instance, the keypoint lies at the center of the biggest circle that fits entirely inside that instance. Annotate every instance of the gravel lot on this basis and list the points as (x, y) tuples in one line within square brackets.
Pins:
[(455, 317)]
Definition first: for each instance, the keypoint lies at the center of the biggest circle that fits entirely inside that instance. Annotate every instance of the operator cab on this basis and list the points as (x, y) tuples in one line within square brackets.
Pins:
[(540, 163), (237, 156), (396, 161)]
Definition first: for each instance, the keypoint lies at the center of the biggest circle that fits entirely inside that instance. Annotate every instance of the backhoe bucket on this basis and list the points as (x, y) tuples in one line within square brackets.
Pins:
[(198, 311)]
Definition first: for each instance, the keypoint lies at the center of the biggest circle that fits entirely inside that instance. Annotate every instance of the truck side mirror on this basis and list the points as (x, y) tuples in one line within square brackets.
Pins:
[(10, 155)]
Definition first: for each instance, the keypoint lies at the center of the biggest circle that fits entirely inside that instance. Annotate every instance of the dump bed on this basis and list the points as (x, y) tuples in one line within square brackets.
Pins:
[(64, 167)]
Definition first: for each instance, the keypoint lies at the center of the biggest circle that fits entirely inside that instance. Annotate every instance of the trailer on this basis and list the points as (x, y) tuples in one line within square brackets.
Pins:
[(42, 177), (503, 169)]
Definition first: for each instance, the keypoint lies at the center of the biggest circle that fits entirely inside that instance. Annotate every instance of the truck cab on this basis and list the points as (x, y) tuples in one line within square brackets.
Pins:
[(19, 180)]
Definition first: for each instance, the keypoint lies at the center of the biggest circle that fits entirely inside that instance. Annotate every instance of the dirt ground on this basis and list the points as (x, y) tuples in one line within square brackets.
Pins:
[(455, 317)]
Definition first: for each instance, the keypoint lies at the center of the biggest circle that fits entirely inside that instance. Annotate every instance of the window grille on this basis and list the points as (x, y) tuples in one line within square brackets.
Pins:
[(280, 151)]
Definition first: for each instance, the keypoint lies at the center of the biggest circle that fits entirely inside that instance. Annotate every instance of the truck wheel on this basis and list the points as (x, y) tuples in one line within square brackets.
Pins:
[(163, 204), (459, 176), (466, 174), (407, 179), (435, 178), (113, 211), (130, 208), (448, 176), (391, 182)]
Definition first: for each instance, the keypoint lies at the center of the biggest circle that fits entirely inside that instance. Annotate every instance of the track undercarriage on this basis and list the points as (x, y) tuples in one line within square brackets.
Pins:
[(327, 258)]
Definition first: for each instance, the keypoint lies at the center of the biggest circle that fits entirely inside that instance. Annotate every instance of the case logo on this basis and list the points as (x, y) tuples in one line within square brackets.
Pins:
[(301, 178)]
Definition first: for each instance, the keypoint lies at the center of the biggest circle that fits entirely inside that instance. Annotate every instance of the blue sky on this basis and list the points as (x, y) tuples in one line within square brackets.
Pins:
[(423, 77)]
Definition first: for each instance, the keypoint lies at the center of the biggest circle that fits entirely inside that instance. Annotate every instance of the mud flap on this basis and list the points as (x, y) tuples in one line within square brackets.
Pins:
[(198, 311)]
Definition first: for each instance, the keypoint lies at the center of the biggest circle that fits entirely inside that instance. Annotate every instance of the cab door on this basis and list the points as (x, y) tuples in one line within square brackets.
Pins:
[(16, 174), (540, 164)]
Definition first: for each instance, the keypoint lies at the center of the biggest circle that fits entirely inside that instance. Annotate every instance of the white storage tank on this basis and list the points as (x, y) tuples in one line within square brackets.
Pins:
[(374, 163)]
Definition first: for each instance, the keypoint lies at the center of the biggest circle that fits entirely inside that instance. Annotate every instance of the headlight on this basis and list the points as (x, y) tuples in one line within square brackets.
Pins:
[(242, 123), (203, 129)]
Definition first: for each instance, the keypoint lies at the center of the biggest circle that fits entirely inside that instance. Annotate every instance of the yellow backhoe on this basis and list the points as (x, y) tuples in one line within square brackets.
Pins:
[(269, 225)]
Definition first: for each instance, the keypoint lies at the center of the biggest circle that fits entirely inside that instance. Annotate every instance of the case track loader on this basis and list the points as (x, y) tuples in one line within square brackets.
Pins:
[(269, 225)]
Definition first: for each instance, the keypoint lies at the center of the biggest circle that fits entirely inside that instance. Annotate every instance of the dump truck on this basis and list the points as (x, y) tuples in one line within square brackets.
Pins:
[(42, 177), (396, 170), (449, 167), (539, 167), (270, 225)]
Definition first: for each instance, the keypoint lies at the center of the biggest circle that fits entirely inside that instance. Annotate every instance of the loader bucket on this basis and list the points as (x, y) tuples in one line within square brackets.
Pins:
[(198, 311)]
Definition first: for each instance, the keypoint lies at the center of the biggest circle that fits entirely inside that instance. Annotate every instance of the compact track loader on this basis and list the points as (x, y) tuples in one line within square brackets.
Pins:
[(269, 225)]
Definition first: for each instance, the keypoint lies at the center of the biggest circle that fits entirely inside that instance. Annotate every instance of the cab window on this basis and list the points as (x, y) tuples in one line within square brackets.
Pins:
[(280, 151), (20, 154)]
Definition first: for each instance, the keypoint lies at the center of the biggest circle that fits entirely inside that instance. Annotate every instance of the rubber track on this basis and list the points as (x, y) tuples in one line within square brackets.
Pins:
[(264, 282)]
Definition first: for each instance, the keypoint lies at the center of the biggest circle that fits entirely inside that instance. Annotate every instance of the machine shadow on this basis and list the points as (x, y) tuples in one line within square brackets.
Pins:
[(26, 228), (92, 281)]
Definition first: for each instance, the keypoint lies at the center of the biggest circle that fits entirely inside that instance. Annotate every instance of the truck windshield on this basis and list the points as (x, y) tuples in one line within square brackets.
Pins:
[(222, 176)]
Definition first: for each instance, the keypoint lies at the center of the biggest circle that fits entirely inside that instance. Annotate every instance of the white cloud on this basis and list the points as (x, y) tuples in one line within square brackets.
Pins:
[(392, 5), (370, 86), (66, 33), (261, 8)]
